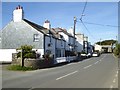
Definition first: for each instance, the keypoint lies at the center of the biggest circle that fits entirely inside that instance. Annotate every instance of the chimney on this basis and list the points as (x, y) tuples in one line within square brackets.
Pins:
[(47, 24), (71, 31), (18, 14)]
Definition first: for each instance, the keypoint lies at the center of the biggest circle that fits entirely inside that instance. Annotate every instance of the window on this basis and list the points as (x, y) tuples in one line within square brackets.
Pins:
[(61, 43), (36, 37), (58, 53)]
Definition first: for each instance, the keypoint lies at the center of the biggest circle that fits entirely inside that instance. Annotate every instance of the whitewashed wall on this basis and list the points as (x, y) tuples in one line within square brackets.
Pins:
[(6, 55), (66, 37), (52, 47), (79, 39), (98, 47), (40, 51), (58, 43)]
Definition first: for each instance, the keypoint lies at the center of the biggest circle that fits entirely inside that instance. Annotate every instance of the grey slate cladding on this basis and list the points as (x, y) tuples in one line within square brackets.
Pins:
[(16, 34), (37, 27)]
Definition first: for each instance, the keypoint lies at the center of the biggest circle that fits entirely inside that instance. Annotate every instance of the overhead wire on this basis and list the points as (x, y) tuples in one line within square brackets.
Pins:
[(82, 20), (100, 24), (83, 10), (87, 29)]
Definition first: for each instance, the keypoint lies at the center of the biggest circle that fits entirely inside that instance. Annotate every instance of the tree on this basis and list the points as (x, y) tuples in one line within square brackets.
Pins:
[(26, 52), (117, 50), (106, 42)]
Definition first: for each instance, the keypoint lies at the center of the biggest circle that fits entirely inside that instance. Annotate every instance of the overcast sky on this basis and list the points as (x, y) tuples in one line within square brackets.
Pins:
[(61, 15)]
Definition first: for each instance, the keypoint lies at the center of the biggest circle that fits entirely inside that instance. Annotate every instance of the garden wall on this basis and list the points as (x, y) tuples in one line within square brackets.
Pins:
[(35, 63)]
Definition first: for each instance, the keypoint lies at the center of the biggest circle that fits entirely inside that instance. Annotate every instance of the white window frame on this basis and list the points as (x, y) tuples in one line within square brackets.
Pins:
[(36, 37)]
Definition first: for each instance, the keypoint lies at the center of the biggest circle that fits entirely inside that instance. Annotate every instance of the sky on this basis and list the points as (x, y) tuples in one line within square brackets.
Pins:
[(61, 14)]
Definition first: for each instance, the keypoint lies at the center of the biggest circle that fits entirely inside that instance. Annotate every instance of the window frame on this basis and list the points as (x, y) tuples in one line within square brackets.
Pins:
[(36, 37)]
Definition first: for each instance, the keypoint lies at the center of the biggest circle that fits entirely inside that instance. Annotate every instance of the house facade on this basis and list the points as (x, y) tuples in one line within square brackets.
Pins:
[(80, 42), (56, 41), (24, 32)]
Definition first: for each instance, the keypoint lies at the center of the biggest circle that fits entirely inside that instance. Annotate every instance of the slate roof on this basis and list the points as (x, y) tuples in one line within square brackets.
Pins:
[(37, 27), (64, 31), (41, 28)]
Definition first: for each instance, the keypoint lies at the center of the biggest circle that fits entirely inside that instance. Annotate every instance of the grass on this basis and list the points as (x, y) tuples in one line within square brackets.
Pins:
[(19, 68)]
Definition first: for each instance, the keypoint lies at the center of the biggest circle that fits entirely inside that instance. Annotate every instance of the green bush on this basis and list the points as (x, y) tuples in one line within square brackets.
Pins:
[(26, 48), (19, 68), (26, 52), (117, 50), (30, 55)]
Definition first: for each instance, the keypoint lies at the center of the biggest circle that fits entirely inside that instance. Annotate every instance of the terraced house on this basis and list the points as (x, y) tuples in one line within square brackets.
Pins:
[(44, 39)]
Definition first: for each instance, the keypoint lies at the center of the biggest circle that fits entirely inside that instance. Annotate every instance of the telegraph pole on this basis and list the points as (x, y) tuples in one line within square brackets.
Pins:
[(75, 19)]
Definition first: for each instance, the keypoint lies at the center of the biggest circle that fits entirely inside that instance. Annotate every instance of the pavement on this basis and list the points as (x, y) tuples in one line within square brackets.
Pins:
[(95, 72)]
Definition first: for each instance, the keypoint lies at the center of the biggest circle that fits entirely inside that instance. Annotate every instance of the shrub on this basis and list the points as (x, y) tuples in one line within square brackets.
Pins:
[(117, 50), (26, 52)]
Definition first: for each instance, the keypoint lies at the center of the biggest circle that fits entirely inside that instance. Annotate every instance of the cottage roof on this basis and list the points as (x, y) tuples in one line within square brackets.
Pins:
[(42, 29), (37, 27), (64, 31)]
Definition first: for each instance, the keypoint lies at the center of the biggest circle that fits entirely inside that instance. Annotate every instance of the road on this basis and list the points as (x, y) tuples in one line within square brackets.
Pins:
[(95, 72)]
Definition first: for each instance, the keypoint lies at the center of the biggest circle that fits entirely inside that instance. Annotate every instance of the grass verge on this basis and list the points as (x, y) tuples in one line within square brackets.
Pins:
[(19, 68)]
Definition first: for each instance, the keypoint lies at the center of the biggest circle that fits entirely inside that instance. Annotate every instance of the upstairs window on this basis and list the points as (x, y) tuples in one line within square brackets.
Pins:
[(36, 37)]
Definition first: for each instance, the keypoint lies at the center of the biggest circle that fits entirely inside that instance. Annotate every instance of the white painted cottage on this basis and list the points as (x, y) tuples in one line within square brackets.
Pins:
[(21, 31), (69, 43), (80, 42), (44, 39)]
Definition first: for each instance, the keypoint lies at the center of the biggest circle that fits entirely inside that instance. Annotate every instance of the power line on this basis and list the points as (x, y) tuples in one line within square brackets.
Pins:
[(83, 22), (101, 24), (83, 10), (87, 29)]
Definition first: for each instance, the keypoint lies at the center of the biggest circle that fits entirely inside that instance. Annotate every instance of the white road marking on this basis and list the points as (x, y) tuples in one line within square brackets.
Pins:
[(87, 66), (30, 88), (66, 75), (117, 72), (71, 64), (114, 80), (111, 86), (101, 59), (116, 75), (96, 62)]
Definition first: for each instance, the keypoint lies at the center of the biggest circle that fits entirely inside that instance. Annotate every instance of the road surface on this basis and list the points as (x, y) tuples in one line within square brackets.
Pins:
[(95, 72)]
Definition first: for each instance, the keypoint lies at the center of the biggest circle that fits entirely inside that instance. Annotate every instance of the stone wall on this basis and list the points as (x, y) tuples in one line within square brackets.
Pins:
[(35, 63)]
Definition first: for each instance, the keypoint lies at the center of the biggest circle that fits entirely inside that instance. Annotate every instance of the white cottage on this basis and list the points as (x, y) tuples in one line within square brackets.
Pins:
[(69, 45), (80, 42), (21, 31)]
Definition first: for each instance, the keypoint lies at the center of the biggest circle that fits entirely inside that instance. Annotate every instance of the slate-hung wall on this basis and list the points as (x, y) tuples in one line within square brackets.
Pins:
[(16, 34)]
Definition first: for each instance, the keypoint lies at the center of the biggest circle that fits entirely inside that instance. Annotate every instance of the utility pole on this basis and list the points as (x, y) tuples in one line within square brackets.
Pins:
[(75, 19), (100, 46), (116, 40)]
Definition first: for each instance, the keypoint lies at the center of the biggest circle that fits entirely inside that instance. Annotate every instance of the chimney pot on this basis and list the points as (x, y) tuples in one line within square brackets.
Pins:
[(19, 6), (18, 14)]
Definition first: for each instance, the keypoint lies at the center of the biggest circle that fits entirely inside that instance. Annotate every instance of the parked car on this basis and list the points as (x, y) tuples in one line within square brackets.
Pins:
[(95, 54), (83, 55), (89, 55)]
